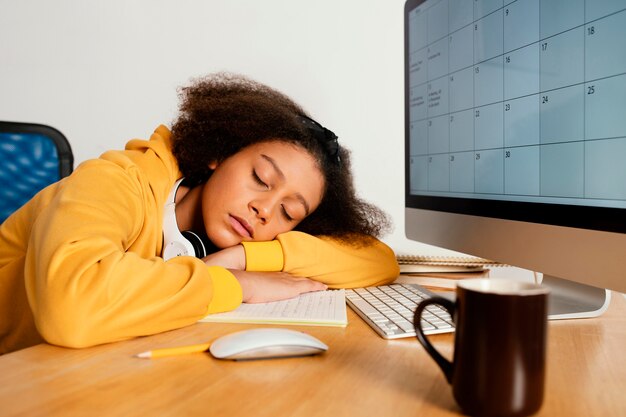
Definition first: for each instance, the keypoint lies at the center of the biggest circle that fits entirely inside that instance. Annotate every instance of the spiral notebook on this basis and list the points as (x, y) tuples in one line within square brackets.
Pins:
[(416, 264)]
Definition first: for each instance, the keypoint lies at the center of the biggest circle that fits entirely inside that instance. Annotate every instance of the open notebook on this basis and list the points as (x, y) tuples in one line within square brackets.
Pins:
[(320, 308)]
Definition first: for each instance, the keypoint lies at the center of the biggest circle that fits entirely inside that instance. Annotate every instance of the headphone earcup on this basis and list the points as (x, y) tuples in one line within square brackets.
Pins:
[(200, 244)]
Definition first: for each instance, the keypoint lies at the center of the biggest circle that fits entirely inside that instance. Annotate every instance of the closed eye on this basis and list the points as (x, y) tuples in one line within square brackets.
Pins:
[(258, 179), (285, 214)]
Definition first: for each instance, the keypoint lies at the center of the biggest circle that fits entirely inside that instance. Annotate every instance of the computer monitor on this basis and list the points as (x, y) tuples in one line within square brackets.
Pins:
[(515, 120)]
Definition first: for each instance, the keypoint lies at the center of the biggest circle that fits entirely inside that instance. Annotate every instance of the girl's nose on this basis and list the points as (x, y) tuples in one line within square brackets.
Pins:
[(262, 210)]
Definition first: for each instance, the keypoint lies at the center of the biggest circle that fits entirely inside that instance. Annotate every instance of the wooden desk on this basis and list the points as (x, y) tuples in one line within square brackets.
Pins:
[(361, 375)]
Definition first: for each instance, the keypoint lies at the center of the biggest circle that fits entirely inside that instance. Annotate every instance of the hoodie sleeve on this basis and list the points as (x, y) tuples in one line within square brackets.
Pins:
[(335, 263)]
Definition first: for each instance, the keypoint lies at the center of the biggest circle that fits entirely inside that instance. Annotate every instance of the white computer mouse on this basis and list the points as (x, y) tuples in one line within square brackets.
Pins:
[(266, 343)]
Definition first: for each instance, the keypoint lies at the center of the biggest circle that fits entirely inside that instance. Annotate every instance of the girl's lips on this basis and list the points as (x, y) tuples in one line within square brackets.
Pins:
[(241, 226)]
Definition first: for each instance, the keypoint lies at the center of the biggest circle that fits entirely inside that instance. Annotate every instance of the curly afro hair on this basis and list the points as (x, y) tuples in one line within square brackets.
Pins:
[(223, 113)]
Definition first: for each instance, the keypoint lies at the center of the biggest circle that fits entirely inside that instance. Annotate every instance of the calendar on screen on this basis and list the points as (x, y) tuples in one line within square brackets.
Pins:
[(519, 100)]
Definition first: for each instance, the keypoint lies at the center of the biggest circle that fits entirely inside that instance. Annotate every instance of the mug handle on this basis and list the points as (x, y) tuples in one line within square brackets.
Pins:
[(445, 365)]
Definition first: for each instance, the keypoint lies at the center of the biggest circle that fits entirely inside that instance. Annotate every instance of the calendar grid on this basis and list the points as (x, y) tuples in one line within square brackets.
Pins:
[(544, 131)]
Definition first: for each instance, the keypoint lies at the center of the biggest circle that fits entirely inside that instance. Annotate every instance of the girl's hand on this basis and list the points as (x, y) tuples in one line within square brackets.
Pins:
[(263, 287), (230, 258)]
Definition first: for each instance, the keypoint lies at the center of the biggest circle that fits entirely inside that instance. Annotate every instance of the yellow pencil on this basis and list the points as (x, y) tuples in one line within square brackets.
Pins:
[(182, 350)]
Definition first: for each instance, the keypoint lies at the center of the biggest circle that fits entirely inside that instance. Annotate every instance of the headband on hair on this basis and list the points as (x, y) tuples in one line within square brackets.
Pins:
[(325, 137)]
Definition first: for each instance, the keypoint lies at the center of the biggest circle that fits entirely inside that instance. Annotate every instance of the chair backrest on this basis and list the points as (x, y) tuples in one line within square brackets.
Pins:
[(32, 156)]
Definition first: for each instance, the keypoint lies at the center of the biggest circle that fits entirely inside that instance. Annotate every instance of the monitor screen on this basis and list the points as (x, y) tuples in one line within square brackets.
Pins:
[(516, 111)]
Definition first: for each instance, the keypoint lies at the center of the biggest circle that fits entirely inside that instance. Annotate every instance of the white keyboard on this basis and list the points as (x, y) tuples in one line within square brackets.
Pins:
[(389, 310)]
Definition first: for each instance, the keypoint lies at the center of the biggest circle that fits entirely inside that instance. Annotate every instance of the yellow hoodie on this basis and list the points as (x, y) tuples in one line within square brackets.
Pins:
[(80, 263)]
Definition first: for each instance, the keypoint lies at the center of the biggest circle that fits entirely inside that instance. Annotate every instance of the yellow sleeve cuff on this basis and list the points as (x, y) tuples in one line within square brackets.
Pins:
[(227, 294), (264, 256)]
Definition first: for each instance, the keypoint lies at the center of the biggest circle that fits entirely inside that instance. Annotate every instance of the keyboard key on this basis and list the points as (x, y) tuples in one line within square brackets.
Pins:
[(365, 307)]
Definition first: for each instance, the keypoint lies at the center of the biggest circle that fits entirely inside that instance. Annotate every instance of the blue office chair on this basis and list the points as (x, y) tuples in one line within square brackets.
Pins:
[(32, 156)]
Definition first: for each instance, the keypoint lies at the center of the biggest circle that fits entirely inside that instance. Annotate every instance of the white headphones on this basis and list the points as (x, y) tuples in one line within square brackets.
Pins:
[(175, 243)]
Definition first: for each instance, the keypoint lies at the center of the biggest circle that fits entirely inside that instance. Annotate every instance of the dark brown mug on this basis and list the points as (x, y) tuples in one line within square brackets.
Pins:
[(498, 365)]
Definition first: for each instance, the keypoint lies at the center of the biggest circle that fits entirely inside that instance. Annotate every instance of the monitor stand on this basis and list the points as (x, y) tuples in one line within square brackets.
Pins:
[(571, 300)]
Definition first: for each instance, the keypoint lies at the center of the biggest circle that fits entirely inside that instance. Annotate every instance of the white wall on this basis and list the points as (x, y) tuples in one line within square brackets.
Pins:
[(104, 72)]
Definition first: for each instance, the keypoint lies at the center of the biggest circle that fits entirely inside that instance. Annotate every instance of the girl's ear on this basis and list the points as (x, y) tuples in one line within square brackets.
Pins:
[(213, 165)]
